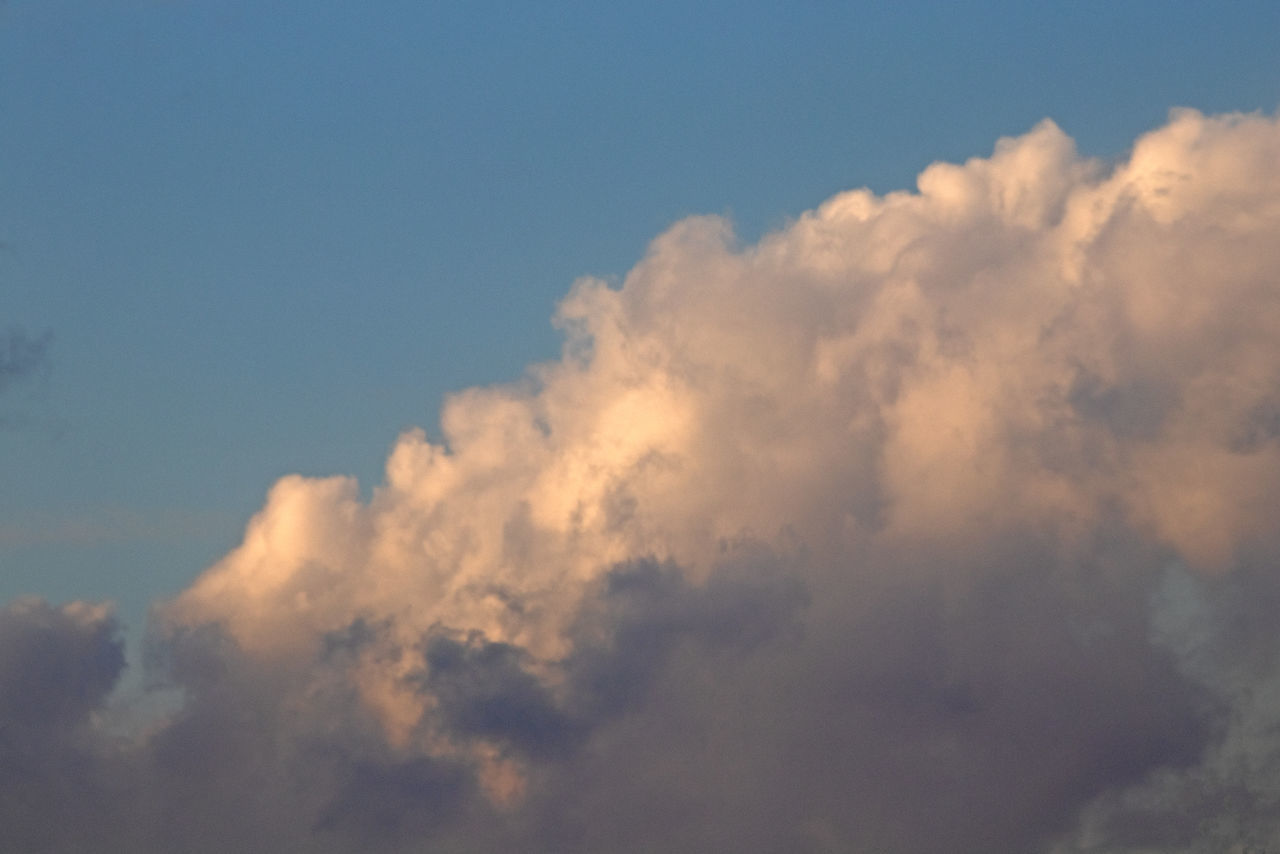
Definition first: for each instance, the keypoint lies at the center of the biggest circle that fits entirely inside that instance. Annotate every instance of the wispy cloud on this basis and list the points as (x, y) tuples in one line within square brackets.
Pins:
[(22, 355), (24, 359)]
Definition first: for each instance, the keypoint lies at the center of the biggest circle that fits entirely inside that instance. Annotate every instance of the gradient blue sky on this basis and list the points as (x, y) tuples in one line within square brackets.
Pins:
[(266, 237)]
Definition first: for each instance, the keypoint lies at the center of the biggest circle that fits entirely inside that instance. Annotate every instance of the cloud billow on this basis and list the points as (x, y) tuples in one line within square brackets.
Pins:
[(934, 521)]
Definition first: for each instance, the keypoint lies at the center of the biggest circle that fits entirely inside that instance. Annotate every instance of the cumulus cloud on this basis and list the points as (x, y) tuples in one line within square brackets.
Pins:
[(934, 521)]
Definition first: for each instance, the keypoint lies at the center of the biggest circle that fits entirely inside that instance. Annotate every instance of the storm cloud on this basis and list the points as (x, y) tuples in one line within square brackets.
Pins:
[(936, 521)]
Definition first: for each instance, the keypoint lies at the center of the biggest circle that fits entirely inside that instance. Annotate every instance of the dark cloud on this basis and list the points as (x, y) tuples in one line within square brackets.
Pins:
[(1135, 410), (735, 713), (975, 722), (485, 691), (56, 665), (644, 610), (1224, 637), (59, 783), (391, 803), (641, 614), (246, 763)]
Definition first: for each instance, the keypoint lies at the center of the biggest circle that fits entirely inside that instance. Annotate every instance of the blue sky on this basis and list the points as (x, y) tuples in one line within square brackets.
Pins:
[(266, 237)]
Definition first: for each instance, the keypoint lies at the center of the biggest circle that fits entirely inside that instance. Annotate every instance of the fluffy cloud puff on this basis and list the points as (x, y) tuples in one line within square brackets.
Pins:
[(942, 520)]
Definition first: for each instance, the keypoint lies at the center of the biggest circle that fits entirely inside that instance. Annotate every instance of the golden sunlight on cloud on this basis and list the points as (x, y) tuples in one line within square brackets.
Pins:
[(1027, 337)]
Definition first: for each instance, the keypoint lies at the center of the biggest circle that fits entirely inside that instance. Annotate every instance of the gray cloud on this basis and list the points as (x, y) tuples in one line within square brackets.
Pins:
[(56, 665), (57, 777), (982, 721)]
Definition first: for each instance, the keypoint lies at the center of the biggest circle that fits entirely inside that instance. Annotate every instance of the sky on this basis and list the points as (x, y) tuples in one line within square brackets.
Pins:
[(586, 427)]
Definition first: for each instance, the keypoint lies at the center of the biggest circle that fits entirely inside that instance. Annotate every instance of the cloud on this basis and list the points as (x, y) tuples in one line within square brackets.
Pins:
[(940, 520), (23, 359), (57, 666)]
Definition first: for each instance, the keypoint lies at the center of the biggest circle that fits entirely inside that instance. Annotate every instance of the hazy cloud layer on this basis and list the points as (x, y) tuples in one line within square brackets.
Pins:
[(937, 521)]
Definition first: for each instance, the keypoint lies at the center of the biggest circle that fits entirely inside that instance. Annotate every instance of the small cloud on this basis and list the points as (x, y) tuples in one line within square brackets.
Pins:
[(22, 356)]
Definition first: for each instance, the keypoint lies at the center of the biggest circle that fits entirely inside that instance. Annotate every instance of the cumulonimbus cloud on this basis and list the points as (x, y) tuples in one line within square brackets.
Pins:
[(933, 521)]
